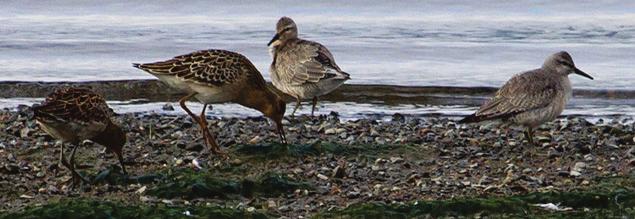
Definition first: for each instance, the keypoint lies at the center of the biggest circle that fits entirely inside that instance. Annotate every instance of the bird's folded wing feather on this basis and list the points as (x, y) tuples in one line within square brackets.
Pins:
[(74, 105), (520, 94), (213, 67), (306, 62)]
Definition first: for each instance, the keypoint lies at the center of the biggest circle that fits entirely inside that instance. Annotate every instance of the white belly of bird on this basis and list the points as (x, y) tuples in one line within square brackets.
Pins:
[(213, 94), (175, 82), (71, 132)]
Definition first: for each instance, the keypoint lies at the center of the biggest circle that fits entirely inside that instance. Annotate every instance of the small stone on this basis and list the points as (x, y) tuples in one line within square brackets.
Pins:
[(352, 194), (178, 162), (579, 166), (373, 133), (144, 198), (168, 107), (271, 204), (339, 172), (24, 133), (26, 196), (330, 131), (141, 190), (251, 209), (374, 167), (255, 140), (322, 177), (396, 160), (575, 173)]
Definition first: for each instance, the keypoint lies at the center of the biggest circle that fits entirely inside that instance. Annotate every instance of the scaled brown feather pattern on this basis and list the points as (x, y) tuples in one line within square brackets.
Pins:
[(74, 105), (212, 67)]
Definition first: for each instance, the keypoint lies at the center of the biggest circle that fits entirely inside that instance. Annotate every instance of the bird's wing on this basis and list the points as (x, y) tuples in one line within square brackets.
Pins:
[(306, 62), (523, 92), (211, 67), (78, 105)]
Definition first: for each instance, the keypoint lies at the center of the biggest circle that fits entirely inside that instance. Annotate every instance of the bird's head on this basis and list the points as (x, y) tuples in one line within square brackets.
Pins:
[(562, 63), (285, 30)]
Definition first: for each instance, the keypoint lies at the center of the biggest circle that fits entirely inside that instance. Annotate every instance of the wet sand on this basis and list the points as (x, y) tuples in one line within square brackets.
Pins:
[(153, 90)]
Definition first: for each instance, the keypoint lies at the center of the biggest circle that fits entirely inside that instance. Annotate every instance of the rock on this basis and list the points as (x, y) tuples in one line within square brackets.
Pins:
[(141, 190), (396, 160), (397, 117), (579, 166), (330, 131), (271, 204), (24, 133), (352, 194), (195, 147), (167, 107), (575, 173), (373, 132), (339, 172), (26, 196), (255, 140), (322, 177)]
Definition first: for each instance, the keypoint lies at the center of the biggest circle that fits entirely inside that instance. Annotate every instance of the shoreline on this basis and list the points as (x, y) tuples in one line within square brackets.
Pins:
[(155, 91)]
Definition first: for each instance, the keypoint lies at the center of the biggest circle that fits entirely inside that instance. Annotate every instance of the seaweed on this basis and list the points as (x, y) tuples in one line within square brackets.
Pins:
[(90, 208)]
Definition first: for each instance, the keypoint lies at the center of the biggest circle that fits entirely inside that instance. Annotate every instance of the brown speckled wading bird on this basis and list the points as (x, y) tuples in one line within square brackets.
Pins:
[(302, 69), (73, 115), (533, 97), (219, 76)]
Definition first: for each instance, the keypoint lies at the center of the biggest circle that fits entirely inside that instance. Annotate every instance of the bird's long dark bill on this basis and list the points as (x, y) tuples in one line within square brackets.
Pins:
[(276, 37), (583, 74)]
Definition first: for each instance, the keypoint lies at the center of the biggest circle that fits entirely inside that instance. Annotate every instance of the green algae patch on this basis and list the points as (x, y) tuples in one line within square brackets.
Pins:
[(277, 150), (611, 197), (88, 208), (190, 184)]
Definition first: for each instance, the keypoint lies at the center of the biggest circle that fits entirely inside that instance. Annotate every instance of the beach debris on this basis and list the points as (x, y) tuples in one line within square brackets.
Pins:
[(553, 207)]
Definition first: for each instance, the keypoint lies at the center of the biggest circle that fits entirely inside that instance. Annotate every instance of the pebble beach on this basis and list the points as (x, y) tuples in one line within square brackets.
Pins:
[(328, 166)]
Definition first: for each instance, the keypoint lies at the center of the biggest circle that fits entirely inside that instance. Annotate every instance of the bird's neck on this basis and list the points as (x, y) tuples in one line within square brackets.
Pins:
[(258, 99)]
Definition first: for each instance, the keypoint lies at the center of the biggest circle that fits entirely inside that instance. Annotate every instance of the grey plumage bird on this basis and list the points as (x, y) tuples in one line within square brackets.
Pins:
[(533, 97), (302, 69)]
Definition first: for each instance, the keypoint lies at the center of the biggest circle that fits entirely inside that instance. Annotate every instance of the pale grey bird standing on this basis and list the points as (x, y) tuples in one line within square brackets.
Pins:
[(302, 69), (533, 97)]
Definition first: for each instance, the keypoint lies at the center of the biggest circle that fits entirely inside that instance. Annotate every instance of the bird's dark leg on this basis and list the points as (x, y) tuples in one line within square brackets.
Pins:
[(529, 133), (283, 137), (315, 99), (209, 137), (297, 105), (67, 165), (203, 125), (182, 103), (123, 167), (72, 166)]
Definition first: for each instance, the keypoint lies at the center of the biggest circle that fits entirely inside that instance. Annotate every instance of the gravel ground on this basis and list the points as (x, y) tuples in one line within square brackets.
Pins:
[(397, 161)]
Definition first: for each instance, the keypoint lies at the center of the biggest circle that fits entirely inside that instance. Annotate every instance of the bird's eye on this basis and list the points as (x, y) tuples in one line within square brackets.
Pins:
[(565, 63), (286, 29)]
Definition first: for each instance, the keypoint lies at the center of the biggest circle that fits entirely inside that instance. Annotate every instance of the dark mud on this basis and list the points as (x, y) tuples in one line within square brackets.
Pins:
[(403, 168), (155, 91)]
